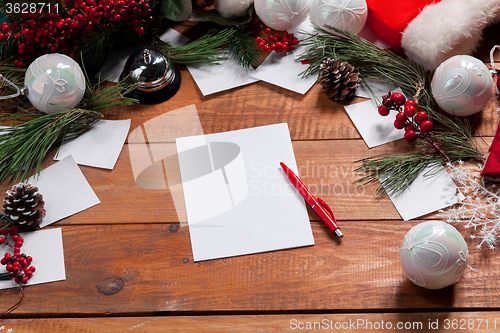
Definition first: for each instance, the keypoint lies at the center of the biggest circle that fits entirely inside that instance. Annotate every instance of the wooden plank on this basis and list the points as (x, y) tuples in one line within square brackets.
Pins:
[(147, 269), (484, 321), (310, 116), (327, 167)]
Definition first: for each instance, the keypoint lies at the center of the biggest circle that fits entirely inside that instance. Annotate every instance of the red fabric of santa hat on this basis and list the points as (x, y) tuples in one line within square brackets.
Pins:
[(491, 169), (429, 32)]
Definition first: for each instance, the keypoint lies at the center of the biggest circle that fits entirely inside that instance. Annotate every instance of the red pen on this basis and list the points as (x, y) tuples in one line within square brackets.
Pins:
[(318, 205)]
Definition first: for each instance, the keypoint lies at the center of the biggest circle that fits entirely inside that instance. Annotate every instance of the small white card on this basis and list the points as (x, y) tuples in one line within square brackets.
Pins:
[(46, 249), (282, 70), (99, 147), (215, 78), (174, 38), (65, 190), (427, 194), (378, 88), (374, 128), (238, 199)]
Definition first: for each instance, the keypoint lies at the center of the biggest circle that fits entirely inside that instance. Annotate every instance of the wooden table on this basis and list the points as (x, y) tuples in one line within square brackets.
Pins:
[(130, 267)]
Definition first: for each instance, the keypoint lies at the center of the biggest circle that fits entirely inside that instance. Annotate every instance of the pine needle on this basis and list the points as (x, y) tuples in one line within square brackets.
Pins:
[(395, 172), (101, 95), (242, 48), (210, 48), (25, 144), (205, 50)]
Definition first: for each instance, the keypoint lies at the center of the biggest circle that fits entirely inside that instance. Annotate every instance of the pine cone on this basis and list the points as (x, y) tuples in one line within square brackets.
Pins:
[(24, 205), (338, 79)]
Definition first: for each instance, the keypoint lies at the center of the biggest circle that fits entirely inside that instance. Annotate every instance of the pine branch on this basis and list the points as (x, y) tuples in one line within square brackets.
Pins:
[(242, 48), (13, 74), (371, 61), (205, 50), (102, 95), (395, 172), (25, 144)]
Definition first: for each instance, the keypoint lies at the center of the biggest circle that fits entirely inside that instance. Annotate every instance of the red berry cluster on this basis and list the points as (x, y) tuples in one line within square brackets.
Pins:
[(4, 31), (407, 117), (43, 32), (277, 42), (17, 265)]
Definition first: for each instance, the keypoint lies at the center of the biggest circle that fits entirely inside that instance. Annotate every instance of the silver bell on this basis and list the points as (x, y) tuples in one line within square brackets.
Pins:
[(158, 79)]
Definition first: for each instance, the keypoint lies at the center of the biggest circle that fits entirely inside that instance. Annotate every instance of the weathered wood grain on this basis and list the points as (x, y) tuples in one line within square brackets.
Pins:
[(310, 116), (326, 167), (127, 259), (149, 269), (484, 321)]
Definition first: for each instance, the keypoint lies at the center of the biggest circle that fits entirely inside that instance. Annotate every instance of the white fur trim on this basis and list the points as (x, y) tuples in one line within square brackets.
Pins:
[(448, 28), (232, 8)]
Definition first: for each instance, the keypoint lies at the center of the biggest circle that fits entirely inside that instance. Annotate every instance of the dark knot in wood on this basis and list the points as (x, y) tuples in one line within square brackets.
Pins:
[(110, 286)]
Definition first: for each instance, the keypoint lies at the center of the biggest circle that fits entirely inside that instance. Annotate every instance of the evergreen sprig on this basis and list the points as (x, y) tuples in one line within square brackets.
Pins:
[(395, 172), (205, 50), (13, 74), (26, 143), (101, 95), (209, 49), (242, 48)]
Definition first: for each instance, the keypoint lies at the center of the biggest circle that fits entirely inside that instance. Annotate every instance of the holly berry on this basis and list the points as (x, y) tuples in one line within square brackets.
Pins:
[(410, 110), (410, 135), (43, 32), (414, 123), (17, 265), (410, 102), (278, 43), (421, 117), (401, 117), (398, 98), (383, 111), (426, 126), (387, 101), (398, 124), (409, 128)]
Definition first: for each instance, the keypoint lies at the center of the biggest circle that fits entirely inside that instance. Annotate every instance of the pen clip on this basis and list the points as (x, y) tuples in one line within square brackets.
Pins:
[(325, 206), (329, 210)]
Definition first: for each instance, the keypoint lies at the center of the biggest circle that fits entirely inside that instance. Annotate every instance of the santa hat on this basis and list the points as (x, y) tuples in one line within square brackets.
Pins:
[(431, 31)]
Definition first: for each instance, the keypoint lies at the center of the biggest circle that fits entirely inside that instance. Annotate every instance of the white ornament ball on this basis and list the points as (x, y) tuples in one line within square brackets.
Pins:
[(433, 255), (282, 15), (462, 85), (55, 83), (232, 8), (346, 15)]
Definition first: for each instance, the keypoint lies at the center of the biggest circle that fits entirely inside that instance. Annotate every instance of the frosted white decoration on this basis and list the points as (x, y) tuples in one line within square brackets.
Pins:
[(462, 85), (282, 15), (433, 255), (346, 15), (55, 83), (232, 8)]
